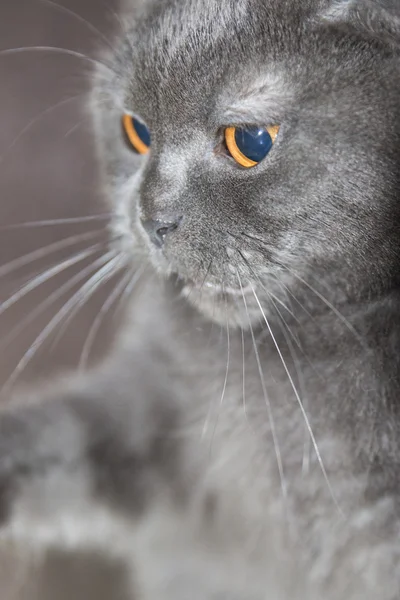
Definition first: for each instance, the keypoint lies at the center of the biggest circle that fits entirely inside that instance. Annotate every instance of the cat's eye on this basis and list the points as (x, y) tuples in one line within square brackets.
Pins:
[(137, 133), (250, 145)]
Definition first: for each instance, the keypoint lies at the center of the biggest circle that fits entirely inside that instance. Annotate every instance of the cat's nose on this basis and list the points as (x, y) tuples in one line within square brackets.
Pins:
[(158, 230)]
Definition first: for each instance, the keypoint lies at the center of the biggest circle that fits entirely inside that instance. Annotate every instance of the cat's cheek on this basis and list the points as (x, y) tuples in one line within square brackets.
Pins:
[(125, 234)]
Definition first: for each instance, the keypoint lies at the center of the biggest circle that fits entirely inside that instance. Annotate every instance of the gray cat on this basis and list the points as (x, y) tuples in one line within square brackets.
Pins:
[(242, 441)]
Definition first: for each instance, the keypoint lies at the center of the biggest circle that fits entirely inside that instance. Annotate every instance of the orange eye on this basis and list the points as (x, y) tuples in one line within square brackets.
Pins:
[(138, 134), (250, 145)]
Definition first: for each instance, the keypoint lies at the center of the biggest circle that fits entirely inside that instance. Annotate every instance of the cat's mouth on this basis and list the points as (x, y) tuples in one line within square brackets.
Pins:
[(229, 299)]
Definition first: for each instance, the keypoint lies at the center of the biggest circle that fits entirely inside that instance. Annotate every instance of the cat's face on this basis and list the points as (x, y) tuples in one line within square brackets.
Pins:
[(325, 199)]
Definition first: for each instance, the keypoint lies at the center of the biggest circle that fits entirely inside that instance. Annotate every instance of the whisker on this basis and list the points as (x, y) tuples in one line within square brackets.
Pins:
[(121, 25), (35, 120), (281, 320), (260, 246), (289, 336), (64, 221), (212, 325), (127, 293), (206, 423), (31, 257), (75, 127), (113, 297), (312, 289), (80, 19), (116, 18), (111, 262), (56, 295), (294, 338), (46, 275), (228, 341), (244, 377), (206, 275), (55, 50), (266, 398), (228, 358), (304, 414), (129, 289), (333, 308), (281, 303), (253, 238), (290, 293), (193, 283), (80, 302), (278, 300)]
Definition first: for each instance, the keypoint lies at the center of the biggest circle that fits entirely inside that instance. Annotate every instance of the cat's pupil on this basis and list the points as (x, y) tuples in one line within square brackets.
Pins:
[(253, 142), (143, 132)]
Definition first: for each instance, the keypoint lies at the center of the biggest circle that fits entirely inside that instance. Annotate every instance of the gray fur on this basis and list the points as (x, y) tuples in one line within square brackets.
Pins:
[(233, 447)]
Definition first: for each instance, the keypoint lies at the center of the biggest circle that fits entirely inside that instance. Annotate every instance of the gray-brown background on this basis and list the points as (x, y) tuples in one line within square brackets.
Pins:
[(47, 169)]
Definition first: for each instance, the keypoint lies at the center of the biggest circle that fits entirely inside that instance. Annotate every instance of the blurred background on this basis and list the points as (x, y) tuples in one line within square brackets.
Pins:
[(48, 173)]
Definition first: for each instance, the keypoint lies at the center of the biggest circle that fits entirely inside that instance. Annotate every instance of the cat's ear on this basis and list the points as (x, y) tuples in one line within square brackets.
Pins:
[(380, 18)]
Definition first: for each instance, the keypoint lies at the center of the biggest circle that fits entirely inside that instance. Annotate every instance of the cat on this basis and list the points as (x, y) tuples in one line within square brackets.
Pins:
[(242, 439)]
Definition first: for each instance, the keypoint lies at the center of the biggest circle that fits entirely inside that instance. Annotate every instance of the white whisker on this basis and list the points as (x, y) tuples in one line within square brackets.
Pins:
[(278, 300), (19, 328), (126, 294), (305, 416), (282, 304), (80, 19), (36, 119), (38, 280), (55, 50), (31, 257), (75, 127), (290, 293), (244, 377), (266, 398), (81, 301), (289, 335), (333, 308), (228, 339), (228, 358), (65, 221), (116, 18), (113, 297), (283, 320), (111, 262)]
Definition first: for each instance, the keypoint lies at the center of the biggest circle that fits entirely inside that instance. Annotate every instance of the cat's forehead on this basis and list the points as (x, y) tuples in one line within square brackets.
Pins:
[(188, 58), (178, 48)]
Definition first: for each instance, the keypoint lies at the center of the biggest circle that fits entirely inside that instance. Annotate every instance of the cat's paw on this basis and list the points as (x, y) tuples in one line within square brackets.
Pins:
[(87, 455), (38, 445)]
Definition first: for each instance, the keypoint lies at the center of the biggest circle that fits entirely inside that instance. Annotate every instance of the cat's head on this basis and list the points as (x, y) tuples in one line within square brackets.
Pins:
[(273, 137)]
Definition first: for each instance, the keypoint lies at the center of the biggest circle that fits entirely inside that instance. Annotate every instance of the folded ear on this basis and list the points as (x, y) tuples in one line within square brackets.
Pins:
[(379, 18)]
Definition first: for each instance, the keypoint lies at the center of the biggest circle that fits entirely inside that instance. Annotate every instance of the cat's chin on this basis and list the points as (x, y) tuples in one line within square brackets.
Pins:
[(223, 305)]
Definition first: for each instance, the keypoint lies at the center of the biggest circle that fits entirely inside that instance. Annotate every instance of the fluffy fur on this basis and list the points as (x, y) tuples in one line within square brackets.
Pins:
[(242, 441)]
